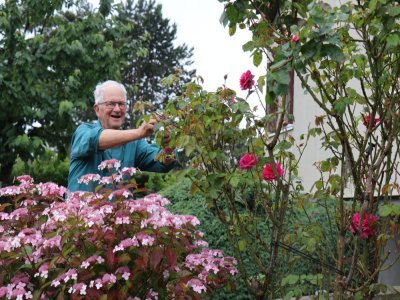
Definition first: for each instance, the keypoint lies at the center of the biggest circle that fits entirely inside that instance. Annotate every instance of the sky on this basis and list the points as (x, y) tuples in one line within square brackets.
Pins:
[(216, 53)]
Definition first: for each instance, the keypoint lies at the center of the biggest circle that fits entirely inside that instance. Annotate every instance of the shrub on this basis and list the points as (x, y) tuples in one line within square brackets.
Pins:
[(46, 167), (102, 244)]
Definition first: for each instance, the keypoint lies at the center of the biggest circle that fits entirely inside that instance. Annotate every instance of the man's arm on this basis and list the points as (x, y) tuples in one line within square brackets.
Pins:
[(111, 138)]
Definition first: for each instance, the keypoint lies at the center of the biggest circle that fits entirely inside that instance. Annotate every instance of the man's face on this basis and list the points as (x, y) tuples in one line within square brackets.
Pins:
[(111, 116)]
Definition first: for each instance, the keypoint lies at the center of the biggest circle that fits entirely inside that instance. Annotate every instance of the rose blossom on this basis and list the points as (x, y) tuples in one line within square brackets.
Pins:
[(247, 161), (366, 226), (294, 38), (367, 120), (246, 80), (268, 172)]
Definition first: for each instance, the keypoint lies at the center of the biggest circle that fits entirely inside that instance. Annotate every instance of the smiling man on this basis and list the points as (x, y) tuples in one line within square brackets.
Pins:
[(93, 143)]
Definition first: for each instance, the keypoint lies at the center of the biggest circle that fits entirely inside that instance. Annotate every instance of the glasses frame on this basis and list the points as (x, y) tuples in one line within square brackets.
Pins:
[(113, 104)]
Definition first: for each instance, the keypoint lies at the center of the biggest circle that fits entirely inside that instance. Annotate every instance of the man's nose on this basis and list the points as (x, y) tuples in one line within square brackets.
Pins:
[(117, 107)]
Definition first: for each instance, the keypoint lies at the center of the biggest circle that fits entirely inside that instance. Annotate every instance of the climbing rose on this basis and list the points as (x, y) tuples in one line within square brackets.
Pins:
[(246, 80), (247, 161), (295, 38), (367, 120), (366, 225), (268, 172)]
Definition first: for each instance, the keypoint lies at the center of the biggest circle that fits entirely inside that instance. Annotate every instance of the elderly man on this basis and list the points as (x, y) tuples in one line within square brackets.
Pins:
[(103, 140)]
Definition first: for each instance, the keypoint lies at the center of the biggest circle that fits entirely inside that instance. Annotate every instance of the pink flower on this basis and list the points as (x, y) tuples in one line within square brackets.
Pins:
[(294, 38), (366, 225), (246, 80), (247, 161), (50, 189), (367, 120), (110, 164), (25, 178), (88, 178), (268, 172), (197, 285)]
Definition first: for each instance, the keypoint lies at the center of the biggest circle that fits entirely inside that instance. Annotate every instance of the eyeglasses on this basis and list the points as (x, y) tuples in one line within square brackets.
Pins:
[(112, 104)]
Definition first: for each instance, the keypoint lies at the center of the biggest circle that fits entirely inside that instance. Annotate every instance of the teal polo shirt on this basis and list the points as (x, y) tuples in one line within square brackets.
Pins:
[(85, 156)]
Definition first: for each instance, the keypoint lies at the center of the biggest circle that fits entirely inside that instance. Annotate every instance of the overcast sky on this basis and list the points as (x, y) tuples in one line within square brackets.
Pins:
[(215, 52)]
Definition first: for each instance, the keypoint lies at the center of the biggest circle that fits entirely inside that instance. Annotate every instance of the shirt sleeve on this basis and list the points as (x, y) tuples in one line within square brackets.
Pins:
[(145, 158), (85, 141)]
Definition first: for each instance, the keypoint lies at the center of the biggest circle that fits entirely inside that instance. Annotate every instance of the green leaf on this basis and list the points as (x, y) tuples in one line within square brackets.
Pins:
[(65, 107), (257, 58), (334, 52), (339, 106), (393, 40), (385, 210), (261, 83), (284, 145), (21, 141), (372, 4), (278, 64), (242, 245), (290, 280), (325, 166), (249, 46)]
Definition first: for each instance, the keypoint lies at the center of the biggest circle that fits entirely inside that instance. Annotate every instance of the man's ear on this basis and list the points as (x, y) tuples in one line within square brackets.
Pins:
[(96, 109)]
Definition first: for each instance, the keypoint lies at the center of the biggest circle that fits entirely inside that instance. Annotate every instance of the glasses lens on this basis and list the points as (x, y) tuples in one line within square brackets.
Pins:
[(112, 104)]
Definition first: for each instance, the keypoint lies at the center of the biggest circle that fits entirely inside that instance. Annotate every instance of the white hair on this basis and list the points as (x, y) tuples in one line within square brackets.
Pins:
[(98, 92)]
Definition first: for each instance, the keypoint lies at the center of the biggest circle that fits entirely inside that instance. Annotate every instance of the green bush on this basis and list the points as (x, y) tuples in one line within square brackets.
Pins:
[(47, 167), (290, 265)]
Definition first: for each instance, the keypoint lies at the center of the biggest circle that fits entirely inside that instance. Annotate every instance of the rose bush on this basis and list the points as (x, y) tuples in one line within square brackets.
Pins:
[(106, 243)]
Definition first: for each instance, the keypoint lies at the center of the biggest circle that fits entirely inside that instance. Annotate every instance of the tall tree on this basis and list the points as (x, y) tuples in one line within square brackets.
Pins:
[(161, 58), (52, 53)]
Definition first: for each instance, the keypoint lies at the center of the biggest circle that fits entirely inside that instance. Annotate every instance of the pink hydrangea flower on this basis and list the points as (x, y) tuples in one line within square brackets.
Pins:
[(110, 164), (128, 171), (50, 189), (246, 80), (247, 161), (268, 172), (88, 178), (367, 225), (367, 121), (197, 285), (25, 178)]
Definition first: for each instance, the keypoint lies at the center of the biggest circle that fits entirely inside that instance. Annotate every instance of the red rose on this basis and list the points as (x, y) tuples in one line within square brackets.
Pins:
[(295, 38), (367, 120), (246, 80), (247, 161), (366, 225), (268, 172)]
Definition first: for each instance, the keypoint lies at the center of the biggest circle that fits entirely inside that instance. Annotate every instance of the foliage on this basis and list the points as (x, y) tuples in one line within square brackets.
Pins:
[(290, 265), (68, 49), (160, 57), (45, 167), (346, 58), (102, 244)]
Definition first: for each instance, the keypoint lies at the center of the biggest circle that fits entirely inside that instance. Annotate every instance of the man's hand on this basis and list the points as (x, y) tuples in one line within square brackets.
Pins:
[(147, 128)]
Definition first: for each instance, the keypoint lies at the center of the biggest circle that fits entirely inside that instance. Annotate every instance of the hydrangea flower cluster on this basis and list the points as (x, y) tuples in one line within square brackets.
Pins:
[(102, 244)]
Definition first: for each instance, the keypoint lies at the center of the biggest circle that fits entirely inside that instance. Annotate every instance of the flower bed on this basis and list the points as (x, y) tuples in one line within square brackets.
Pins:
[(104, 243)]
